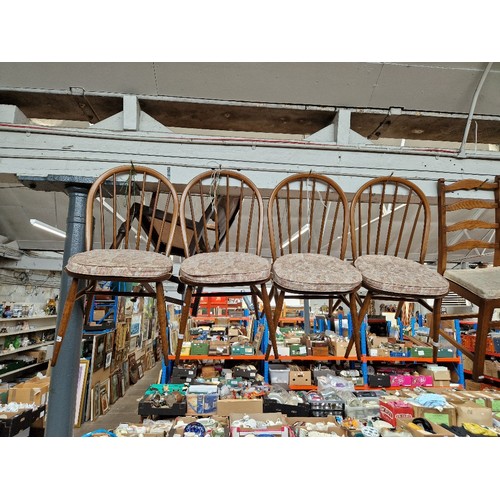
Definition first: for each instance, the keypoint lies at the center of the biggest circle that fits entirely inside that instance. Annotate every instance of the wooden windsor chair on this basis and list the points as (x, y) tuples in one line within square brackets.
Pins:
[(308, 230), (390, 222), (117, 249), (227, 242)]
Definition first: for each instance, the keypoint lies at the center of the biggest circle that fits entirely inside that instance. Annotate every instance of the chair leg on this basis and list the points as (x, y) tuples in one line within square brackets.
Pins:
[(183, 323), (89, 302), (357, 322), (196, 301), (255, 303), (484, 318), (270, 322), (162, 319), (280, 300), (356, 334), (68, 308), (435, 327)]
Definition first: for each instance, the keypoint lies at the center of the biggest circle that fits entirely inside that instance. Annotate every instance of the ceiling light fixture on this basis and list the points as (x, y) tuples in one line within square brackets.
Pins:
[(47, 227)]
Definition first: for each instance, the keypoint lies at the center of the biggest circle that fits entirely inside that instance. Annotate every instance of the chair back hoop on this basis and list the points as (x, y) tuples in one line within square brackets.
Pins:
[(390, 216), (308, 213), (132, 207), (221, 210), (469, 222)]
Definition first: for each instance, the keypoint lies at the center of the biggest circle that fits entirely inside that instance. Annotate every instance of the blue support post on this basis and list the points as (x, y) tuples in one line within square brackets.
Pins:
[(265, 342), (420, 320), (460, 367), (349, 325), (364, 364), (389, 326), (400, 324)]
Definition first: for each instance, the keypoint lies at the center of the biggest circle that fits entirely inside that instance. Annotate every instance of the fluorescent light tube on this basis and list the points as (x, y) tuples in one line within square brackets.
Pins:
[(47, 227)]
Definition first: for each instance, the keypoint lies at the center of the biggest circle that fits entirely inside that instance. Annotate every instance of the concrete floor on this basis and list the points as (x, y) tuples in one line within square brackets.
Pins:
[(125, 409)]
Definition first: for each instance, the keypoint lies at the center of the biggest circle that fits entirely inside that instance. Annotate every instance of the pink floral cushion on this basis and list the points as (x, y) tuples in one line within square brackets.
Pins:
[(310, 272), (126, 264), (395, 275), (225, 268), (483, 282)]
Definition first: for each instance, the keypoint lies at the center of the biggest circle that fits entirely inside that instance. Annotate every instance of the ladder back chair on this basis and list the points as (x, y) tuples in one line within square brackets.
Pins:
[(390, 222), (469, 232), (223, 249), (117, 248), (308, 230)]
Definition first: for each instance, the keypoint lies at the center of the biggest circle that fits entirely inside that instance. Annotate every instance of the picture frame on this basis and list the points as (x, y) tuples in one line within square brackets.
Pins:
[(104, 398), (135, 325), (99, 352), (114, 393), (109, 356), (140, 369), (133, 369), (126, 375), (109, 341), (96, 401), (122, 383), (80, 390)]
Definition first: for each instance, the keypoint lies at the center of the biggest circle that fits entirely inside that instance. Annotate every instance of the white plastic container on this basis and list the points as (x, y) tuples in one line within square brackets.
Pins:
[(279, 374)]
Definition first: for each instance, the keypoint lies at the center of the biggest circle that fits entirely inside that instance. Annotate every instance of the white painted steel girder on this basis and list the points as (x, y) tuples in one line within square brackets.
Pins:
[(40, 151)]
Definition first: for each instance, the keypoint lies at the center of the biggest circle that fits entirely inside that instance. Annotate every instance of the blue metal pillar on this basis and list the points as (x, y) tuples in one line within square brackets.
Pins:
[(460, 367), (364, 364), (64, 376)]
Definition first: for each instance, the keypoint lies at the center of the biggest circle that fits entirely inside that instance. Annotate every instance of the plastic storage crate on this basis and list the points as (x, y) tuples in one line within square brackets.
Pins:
[(279, 374)]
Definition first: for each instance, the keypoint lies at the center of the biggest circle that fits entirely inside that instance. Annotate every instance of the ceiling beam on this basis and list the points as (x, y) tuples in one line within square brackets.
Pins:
[(45, 151)]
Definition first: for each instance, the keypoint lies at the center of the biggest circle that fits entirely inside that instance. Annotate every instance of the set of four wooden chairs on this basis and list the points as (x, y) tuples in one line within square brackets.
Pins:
[(322, 245)]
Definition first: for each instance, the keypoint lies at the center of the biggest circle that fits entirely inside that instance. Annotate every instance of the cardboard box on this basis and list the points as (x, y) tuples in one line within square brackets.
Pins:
[(35, 390), (283, 350), (439, 431), (393, 409), (227, 406), (470, 412), (401, 380), (420, 352), (339, 431), (439, 374), (299, 377), (38, 355), (199, 348), (422, 381), (219, 348), (186, 348), (298, 350), (447, 416), (340, 348), (379, 380), (239, 430), (201, 404), (178, 430)]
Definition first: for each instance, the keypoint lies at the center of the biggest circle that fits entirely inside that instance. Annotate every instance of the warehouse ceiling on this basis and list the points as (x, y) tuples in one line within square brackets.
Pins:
[(419, 103)]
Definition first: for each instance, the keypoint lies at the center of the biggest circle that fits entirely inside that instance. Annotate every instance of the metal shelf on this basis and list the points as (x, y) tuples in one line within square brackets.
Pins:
[(18, 370), (254, 357), (27, 348), (28, 318), (21, 332), (397, 359)]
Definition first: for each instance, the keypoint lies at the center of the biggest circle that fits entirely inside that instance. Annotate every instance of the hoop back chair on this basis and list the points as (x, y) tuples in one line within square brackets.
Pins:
[(469, 231), (117, 249), (308, 230), (227, 240), (390, 222)]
